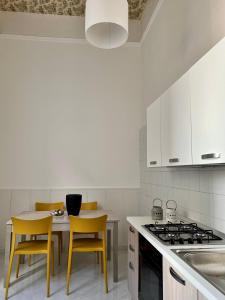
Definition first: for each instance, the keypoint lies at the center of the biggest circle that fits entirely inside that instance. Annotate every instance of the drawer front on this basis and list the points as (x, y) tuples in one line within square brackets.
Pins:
[(133, 245), (133, 280), (133, 262), (175, 287)]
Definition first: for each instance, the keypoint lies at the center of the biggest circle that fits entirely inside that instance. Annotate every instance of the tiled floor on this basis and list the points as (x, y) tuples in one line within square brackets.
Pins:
[(86, 280)]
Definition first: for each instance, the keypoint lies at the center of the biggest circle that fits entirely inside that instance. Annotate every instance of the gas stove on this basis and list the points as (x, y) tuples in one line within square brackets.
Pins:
[(182, 233)]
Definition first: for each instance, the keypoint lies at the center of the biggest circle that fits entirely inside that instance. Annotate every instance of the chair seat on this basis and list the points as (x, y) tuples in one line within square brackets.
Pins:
[(32, 247), (87, 245)]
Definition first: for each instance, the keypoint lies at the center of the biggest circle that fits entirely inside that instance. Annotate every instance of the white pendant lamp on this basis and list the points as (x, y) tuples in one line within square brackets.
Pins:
[(106, 23)]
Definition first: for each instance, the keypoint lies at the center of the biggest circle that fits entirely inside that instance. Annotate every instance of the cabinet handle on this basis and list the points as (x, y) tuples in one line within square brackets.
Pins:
[(153, 162), (131, 229), (131, 248), (131, 266), (173, 160), (177, 277), (211, 156)]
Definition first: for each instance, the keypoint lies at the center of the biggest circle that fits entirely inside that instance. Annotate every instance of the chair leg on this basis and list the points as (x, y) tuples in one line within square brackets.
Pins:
[(48, 274), (105, 271), (53, 262), (101, 261), (29, 260), (8, 276), (59, 249), (29, 256), (97, 253), (61, 241), (97, 257), (18, 267), (69, 272)]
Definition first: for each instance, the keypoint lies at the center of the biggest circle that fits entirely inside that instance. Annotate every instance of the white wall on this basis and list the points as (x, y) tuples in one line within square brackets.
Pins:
[(181, 33), (69, 122), (70, 115)]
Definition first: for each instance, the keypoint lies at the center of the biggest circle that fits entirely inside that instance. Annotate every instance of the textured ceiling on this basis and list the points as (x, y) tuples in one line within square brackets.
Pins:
[(63, 7)]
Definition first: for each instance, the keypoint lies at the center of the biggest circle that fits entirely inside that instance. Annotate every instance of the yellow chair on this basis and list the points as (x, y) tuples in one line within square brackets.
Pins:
[(87, 225), (31, 227), (42, 206), (89, 206)]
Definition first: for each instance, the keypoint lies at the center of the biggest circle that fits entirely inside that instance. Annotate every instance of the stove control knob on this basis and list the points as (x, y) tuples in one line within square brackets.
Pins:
[(190, 241), (181, 241)]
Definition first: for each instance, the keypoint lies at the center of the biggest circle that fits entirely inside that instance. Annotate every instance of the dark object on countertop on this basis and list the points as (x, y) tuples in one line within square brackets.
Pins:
[(73, 204)]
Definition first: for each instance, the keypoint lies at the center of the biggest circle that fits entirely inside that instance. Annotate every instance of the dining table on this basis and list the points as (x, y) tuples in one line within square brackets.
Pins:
[(61, 223)]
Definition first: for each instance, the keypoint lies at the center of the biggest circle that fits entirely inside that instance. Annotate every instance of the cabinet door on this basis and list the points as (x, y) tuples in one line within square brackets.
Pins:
[(175, 287), (201, 297), (207, 86), (153, 135), (133, 265), (176, 124)]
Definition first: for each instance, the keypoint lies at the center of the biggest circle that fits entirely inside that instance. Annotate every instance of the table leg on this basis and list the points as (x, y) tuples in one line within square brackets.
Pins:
[(115, 251), (7, 250), (109, 244), (22, 257)]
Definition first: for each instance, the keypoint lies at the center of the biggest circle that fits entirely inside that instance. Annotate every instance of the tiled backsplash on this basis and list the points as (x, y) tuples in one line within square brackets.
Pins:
[(198, 191), (121, 201)]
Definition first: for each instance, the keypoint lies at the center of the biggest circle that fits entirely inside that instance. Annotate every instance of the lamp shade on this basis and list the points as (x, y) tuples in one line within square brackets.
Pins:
[(106, 23)]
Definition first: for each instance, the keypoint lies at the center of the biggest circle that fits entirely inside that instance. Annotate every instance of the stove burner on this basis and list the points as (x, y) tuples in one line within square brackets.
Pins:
[(187, 227), (158, 227), (180, 233), (171, 235), (200, 235)]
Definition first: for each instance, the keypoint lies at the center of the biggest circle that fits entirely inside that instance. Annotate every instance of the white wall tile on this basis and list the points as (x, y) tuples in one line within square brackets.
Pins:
[(97, 195), (218, 182), (218, 206), (206, 182), (20, 201), (199, 192), (60, 195), (39, 196), (219, 224)]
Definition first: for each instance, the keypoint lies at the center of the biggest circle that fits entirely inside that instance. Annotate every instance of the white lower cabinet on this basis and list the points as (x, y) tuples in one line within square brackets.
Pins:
[(201, 297), (175, 287), (133, 262)]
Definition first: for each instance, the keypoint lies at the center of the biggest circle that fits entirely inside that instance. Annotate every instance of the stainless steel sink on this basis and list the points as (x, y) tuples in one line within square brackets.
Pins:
[(210, 263)]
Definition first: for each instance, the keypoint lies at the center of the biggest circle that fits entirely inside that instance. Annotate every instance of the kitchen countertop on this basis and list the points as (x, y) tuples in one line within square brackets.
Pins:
[(206, 288)]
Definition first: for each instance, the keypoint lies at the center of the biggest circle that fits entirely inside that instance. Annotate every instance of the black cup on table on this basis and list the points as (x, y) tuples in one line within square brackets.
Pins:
[(73, 204)]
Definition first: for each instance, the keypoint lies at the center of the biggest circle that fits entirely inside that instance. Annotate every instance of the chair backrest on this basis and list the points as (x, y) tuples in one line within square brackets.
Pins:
[(29, 227), (42, 206), (89, 206), (88, 225)]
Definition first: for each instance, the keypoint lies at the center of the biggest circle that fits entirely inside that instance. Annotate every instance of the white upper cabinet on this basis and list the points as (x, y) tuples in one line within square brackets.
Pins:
[(186, 125), (176, 124), (207, 89), (153, 135)]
